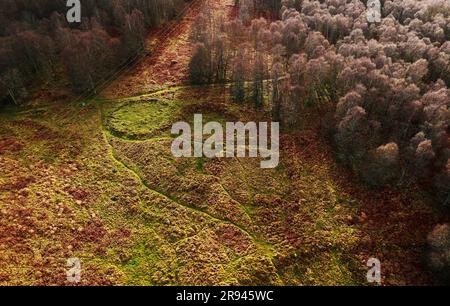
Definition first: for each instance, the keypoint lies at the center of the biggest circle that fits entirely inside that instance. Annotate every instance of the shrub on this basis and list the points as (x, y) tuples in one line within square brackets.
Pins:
[(442, 184), (438, 255), (352, 133), (199, 68), (382, 165)]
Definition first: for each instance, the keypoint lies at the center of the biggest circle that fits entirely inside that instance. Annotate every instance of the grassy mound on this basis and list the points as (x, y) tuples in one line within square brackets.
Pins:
[(143, 119)]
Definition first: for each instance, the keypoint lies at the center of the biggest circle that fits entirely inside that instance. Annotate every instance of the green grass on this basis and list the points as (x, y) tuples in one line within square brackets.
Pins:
[(142, 120), (150, 219)]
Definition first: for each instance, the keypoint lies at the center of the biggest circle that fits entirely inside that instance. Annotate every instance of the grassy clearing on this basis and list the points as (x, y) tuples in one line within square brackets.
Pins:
[(238, 193), (103, 186)]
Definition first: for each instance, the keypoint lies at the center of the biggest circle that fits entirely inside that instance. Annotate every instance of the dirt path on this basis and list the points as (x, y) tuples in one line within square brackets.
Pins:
[(167, 65)]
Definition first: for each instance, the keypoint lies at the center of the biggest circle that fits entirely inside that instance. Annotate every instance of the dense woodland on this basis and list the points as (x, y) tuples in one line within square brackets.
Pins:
[(37, 43), (382, 88)]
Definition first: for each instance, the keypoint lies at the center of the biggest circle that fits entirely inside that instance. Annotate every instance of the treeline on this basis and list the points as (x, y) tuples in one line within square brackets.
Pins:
[(37, 42), (385, 86)]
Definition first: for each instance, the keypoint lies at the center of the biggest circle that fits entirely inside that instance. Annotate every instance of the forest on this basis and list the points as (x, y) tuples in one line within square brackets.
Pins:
[(365, 141), (38, 44)]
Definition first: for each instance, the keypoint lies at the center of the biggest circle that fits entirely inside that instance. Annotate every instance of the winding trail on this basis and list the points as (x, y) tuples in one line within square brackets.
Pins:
[(165, 71), (259, 242), (158, 65)]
